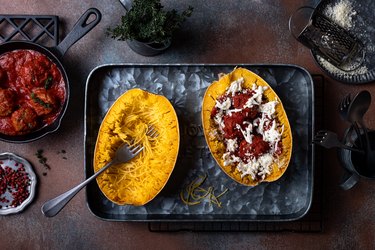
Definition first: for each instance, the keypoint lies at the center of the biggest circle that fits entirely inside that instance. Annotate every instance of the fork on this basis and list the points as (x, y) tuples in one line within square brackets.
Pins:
[(123, 154), (329, 139), (344, 106)]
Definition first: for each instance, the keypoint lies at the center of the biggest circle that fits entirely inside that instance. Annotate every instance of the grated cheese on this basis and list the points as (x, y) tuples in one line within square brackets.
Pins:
[(341, 13), (236, 86), (260, 167), (339, 72)]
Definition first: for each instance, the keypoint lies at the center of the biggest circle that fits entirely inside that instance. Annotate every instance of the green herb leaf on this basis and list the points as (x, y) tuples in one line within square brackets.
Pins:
[(147, 21), (48, 82), (40, 101)]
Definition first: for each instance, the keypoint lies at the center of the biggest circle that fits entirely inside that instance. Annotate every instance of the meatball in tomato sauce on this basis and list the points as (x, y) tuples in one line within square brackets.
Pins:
[(255, 149), (39, 92), (42, 101), (36, 72), (7, 102), (24, 119)]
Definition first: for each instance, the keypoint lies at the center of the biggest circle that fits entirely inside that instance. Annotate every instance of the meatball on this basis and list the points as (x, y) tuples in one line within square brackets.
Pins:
[(24, 119), (7, 102), (257, 148), (42, 101), (34, 73), (240, 99)]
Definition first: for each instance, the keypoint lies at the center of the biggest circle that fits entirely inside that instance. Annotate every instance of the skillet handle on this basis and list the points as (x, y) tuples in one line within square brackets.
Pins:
[(81, 28)]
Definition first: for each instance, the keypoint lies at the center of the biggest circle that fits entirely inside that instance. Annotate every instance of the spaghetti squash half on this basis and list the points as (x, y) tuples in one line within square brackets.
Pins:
[(138, 181), (246, 128)]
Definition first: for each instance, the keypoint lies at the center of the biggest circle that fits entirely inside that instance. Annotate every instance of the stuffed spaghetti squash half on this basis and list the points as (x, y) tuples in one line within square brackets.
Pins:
[(139, 180), (246, 128)]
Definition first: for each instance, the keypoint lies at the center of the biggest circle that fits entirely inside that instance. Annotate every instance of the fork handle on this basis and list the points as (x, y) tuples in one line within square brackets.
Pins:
[(359, 135), (54, 206), (352, 149), (368, 145)]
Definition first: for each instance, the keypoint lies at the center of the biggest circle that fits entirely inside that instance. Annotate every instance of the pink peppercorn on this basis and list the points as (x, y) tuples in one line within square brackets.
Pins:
[(17, 183)]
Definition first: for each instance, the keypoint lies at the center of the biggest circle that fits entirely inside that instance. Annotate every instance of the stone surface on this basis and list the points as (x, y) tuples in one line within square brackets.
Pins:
[(219, 31)]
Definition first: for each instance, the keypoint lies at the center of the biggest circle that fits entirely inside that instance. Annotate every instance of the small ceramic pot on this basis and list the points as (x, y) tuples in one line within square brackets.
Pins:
[(148, 49)]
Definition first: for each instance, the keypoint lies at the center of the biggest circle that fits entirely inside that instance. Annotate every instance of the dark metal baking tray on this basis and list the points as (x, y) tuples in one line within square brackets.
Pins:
[(184, 85)]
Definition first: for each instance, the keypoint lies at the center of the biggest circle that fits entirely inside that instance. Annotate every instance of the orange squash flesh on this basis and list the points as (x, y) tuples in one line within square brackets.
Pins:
[(140, 180)]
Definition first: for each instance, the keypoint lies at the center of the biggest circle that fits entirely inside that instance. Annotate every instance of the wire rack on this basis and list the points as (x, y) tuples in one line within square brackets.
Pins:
[(311, 222), (43, 29)]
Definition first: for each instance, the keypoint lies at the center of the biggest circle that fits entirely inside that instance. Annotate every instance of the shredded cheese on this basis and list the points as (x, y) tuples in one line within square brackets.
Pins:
[(266, 125), (194, 193), (342, 13)]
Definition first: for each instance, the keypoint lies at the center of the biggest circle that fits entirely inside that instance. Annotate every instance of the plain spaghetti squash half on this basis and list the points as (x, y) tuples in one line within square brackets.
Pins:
[(128, 120), (246, 128)]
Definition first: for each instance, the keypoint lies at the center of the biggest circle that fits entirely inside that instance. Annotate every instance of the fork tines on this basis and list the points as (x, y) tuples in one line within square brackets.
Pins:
[(321, 134), (319, 137), (345, 102), (135, 149), (152, 132)]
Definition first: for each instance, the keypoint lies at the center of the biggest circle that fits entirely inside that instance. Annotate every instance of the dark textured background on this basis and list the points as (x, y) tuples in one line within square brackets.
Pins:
[(219, 31)]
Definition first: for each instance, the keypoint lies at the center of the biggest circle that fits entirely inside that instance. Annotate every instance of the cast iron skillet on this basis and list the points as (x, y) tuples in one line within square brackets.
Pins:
[(81, 28)]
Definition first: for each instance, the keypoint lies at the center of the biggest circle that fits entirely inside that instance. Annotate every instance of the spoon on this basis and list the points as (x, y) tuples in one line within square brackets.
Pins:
[(358, 108), (356, 111)]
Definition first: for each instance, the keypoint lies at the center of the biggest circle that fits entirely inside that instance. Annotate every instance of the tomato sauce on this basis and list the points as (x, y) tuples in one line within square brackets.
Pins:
[(32, 92), (234, 121)]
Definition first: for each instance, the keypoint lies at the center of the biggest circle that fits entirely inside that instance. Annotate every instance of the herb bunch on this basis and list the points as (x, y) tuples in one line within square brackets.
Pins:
[(147, 21)]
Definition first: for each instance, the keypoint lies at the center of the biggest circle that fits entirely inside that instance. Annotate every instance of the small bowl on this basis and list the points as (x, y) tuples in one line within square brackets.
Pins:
[(148, 49), (14, 161)]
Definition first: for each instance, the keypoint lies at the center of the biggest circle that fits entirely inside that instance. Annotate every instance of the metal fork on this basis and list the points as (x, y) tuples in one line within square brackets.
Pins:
[(329, 139), (344, 106), (123, 154)]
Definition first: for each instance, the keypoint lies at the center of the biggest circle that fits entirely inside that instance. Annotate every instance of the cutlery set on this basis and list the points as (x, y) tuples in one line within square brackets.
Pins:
[(356, 143)]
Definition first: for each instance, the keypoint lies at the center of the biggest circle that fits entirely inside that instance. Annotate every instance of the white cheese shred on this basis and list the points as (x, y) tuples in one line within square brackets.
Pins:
[(266, 126)]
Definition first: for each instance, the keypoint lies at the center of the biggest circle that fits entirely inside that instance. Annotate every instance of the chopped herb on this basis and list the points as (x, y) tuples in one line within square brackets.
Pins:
[(48, 82), (42, 160), (40, 101), (62, 152)]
